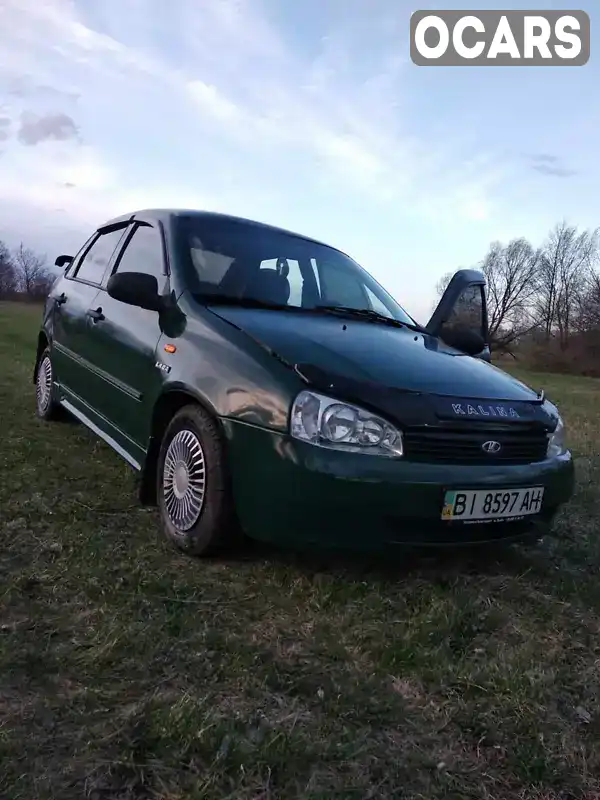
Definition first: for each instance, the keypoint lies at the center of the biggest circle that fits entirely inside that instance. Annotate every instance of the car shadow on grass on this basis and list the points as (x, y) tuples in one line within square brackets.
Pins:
[(564, 565), (393, 564)]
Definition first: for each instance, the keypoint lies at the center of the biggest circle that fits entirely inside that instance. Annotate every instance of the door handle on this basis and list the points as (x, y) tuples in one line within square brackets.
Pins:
[(95, 314), (61, 299)]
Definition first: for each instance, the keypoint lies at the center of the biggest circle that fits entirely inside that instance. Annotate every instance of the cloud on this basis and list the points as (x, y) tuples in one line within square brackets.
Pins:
[(5, 123), (559, 172), (213, 102), (214, 105), (35, 129), (548, 164), (22, 86), (544, 158)]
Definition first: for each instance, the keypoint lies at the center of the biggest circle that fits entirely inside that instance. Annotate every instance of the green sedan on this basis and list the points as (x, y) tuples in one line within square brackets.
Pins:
[(264, 382)]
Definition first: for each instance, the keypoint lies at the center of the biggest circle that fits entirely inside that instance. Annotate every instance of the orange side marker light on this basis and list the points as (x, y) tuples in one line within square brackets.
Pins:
[(170, 348)]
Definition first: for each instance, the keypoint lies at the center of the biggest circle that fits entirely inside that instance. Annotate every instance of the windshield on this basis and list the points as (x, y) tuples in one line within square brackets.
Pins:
[(230, 258)]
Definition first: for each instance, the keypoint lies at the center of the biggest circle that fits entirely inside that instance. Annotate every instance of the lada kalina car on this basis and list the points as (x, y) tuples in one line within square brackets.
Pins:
[(261, 381)]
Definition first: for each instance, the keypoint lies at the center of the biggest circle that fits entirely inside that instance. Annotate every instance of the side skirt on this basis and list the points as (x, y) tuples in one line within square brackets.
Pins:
[(132, 453)]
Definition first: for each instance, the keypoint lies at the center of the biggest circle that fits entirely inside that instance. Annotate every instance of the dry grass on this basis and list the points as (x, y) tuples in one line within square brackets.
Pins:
[(129, 671)]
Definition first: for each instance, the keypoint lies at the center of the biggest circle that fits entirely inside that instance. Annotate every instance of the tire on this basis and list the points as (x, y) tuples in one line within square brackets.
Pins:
[(192, 445), (46, 406)]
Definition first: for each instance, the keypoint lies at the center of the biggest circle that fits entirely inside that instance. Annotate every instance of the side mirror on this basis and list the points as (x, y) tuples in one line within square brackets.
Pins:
[(465, 339), (464, 303), (135, 289), (63, 261)]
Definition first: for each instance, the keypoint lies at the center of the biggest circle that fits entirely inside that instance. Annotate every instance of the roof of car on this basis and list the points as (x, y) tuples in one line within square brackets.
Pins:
[(164, 214)]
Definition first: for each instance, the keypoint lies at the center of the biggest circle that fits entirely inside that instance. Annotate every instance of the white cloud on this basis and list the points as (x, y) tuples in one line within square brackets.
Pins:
[(206, 103), (213, 103), (78, 183)]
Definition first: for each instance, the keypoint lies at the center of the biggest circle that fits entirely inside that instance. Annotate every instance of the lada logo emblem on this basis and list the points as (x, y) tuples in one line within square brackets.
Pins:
[(491, 447)]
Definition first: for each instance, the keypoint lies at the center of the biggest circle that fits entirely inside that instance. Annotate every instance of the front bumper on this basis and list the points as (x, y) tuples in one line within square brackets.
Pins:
[(289, 491)]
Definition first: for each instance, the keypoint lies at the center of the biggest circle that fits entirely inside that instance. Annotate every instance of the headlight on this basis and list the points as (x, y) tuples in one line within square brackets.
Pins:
[(557, 444), (330, 423)]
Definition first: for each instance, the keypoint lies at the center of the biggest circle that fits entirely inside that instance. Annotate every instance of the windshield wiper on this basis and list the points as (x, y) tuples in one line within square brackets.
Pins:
[(370, 314), (344, 311)]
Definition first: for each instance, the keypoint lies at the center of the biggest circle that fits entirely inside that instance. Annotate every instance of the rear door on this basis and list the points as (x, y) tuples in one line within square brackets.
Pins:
[(123, 343), (71, 323)]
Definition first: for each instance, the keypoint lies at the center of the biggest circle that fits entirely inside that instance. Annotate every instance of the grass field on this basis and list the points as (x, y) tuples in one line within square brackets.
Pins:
[(130, 671)]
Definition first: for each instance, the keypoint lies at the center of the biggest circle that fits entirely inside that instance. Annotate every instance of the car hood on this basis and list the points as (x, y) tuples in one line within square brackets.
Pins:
[(397, 358)]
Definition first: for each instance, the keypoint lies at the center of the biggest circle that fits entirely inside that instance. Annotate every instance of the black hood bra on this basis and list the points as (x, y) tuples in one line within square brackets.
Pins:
[(412, 408)]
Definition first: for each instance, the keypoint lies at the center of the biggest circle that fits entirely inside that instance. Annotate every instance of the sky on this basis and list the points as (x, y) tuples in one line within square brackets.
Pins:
[(307, 115)]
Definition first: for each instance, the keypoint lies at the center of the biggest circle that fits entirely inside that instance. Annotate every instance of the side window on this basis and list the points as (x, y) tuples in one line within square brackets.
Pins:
[(468, 310), (93, 265), (72, 268), (144, 253)]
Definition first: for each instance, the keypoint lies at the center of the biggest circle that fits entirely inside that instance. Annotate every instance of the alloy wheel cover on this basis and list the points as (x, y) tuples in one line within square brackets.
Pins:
[(43, 384), (184, 480)]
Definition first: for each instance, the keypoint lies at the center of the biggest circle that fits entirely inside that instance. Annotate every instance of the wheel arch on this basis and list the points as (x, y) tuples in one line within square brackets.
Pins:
[(168, 403)]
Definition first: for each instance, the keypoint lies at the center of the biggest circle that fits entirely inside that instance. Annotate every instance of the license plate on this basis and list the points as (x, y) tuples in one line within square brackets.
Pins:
[(483, 504)]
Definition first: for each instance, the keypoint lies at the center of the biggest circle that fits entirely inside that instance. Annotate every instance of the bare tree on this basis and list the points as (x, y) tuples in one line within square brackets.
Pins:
[(510, 273), (564, 269), (8, 276), (34, 276), (510, 286), (588, 316), (442, 284), (544, 304)]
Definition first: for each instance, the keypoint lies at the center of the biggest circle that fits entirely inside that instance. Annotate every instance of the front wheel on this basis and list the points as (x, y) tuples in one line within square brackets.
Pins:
[(194, 497), (45, 403)]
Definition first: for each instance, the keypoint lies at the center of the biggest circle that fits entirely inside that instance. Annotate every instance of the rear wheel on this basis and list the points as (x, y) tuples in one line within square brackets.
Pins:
[(47, 408), (194, 498)]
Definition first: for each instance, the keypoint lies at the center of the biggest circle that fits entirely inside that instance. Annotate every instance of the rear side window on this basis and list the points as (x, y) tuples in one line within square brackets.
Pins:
[(93, 265)]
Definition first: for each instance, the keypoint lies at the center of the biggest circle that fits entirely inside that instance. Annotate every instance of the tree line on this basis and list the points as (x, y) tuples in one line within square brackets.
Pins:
[(544, 301), (24, 274)]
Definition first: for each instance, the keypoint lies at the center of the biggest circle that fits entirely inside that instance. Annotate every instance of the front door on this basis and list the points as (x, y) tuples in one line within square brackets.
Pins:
[(123, 345)]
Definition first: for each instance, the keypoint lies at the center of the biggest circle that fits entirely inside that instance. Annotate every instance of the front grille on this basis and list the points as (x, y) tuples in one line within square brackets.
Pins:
[(460, 446)]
